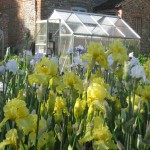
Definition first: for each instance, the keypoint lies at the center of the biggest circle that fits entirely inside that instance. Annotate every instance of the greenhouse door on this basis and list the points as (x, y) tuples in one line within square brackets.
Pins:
[(53, 35), (47, 38), (41, 36)]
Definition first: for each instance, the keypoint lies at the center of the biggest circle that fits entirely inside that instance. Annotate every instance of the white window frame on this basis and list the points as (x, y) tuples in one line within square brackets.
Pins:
[(79, 9)]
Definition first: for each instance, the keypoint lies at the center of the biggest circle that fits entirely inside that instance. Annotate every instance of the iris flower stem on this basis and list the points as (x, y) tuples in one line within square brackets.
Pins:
[(63, 129), (74, 141), (4, 88), (148, 106), (23, 145), (38, 120)]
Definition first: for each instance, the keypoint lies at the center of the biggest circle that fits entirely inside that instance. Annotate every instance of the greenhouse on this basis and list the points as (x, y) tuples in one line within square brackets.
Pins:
[(65, 30)]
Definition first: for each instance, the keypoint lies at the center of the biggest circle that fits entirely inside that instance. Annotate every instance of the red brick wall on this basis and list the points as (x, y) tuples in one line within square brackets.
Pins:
[(10, 8), (21, 19), (22, 16), (133, 9), (47, 6), (4, 28)]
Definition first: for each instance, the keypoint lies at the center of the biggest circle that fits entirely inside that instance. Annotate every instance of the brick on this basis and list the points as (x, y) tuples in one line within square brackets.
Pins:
[(22, 15), (132, 9)]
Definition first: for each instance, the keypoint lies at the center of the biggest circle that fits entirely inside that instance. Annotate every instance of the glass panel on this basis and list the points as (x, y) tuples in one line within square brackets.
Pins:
[(85, 18), (112, 31), (128, 33), (104, 21), (81, 40), (96, 17), (113, 19), (78, 28), (119, 23), (73, 18), (40, 48), (41, 33), (66, 46), (41, 37), (91, 25), (125, 30), (105, 41), (64, 15), (64, 29), (53, 38), (95, 29)]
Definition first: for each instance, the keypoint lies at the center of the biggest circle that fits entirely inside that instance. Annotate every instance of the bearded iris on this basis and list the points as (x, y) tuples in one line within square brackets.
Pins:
[(119, 52)]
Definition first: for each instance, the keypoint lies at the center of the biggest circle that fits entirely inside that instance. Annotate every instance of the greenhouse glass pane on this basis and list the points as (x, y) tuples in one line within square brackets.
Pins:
[(78, 28), (41, 33), (113, 19), (64, 15), (124, 29), (127, 32), (112, 31), (73, 18), (119, 23), (96, 17), (95, 29), (99, 31), (64, 29), (85, 18), (66, 45), (41, 38), (104, 21), (40, 48)]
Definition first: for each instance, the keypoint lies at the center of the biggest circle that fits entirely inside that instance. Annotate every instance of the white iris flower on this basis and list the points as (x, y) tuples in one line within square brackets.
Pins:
[(110, 60), (138, 72)]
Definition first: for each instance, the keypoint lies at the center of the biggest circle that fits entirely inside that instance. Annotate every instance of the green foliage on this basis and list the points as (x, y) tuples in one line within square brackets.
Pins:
[(143, 58)]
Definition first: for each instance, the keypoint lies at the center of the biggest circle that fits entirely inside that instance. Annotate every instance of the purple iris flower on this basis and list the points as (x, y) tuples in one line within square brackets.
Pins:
[(3, 68), (80, 49)]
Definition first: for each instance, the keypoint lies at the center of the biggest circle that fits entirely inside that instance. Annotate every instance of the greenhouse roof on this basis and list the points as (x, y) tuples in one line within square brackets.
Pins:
[(93, 24)]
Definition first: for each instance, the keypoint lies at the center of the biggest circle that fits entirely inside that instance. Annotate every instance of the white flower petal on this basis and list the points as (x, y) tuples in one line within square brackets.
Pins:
[(110, 60), (138, 72), (131, 54)]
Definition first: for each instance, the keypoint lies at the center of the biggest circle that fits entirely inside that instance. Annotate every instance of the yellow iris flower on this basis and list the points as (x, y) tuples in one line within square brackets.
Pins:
[(51, 103), (59, 108), (44, 70), (11, 139), (100, 81), (38, 79), (143, 91), (47, 67), (147, 69), (118, 51), (13, 110), (72, 80), (25, 124), (96, 53), (99, 134), (96, 92), (79, 108), (95, 49)]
